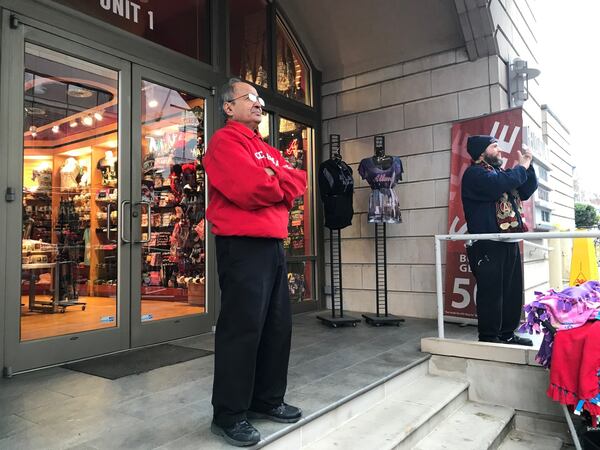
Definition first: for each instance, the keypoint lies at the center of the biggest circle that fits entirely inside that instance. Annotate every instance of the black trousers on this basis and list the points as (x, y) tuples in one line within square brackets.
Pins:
[(254, 329), (497, 269)]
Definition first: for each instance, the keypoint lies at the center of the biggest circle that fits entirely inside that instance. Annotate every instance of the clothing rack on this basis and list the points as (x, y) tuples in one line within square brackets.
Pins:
[(337, 296), (382, 316), (335, 251)]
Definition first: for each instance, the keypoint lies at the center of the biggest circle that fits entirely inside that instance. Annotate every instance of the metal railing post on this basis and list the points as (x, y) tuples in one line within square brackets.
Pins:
[(438, 281)]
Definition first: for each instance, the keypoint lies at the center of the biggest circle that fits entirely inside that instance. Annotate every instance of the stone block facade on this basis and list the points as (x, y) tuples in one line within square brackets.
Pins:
[(414, 104)]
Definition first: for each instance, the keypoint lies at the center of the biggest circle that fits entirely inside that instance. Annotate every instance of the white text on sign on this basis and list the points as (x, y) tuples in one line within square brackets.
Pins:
[(127, 9)]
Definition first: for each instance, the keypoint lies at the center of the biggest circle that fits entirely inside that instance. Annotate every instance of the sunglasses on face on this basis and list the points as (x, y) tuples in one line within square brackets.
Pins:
[(252, 97)]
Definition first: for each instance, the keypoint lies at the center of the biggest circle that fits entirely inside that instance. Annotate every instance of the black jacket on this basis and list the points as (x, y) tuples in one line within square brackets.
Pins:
[(336, 187), (482, 188)]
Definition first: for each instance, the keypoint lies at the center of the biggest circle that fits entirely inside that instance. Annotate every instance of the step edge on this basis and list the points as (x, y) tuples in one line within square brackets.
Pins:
[(553, 439), (414, 365), (506, 427), (452, 403), (438, 417)]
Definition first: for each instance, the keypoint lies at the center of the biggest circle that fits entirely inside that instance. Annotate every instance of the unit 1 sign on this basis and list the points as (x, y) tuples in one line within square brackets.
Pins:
[(127, 9), (181, 25)]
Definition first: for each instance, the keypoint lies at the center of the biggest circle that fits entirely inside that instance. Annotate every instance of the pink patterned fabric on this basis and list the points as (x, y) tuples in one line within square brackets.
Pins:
[(564, 310)]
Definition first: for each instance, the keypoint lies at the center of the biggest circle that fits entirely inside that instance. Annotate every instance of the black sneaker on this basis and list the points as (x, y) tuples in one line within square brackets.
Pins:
[(283, 413), (240, 434), (493, 340), (517, 340)]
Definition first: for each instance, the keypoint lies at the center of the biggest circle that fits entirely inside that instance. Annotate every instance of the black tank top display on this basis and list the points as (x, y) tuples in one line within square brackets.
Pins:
[(336, 186)]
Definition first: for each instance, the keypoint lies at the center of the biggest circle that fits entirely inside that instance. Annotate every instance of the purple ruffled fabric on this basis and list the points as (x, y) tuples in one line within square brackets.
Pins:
[(554, 311)]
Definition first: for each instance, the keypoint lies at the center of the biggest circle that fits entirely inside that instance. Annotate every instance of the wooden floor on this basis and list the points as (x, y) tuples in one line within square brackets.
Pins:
[(38, 325)]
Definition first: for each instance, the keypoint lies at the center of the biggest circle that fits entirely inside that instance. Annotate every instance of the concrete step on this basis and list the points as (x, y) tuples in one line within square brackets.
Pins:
[(401, 419), (523, 440), (475, 426)]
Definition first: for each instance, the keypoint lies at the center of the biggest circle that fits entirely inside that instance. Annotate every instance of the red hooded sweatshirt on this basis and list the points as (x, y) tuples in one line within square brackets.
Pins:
[(243, 200)]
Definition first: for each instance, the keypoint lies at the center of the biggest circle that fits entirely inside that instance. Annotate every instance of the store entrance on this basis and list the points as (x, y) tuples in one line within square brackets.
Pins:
[(106, 231)]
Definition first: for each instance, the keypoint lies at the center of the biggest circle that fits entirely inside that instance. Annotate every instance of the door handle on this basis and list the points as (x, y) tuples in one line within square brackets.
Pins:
[(121, 218), (149, 205), (108, 224)]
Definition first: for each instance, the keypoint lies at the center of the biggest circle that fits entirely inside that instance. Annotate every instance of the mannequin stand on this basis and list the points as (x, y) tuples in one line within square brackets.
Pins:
[(337, 299), (382, 317)]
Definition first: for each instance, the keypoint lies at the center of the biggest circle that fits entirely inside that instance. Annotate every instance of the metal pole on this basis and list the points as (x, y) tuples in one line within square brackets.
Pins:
[(332, 273), (438, 281), (526, 236), (377, 225), (385, 285), (339, 248), (571, 427)]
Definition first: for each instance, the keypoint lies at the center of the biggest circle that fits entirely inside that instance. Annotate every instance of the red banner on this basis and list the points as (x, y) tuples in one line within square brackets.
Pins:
[(506, 126)]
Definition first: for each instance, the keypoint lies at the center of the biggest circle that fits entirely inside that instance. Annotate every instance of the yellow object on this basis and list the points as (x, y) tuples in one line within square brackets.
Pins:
[(584, 266)]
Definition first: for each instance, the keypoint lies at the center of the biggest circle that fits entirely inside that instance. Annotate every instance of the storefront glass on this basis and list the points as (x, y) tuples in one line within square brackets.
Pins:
[(293, 74), (173, 225), (248, 38), (296, 146), (70, 192)]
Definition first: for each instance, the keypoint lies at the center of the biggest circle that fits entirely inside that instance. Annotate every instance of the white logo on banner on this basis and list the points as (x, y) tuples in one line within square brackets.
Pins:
[(505, 145), (461, 230)]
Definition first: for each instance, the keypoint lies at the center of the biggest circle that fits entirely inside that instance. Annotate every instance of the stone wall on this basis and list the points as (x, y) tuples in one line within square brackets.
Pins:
[(413, 105)]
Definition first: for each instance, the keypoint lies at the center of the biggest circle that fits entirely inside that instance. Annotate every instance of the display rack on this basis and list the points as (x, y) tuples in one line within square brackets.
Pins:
[(337, 317), (382, 315)]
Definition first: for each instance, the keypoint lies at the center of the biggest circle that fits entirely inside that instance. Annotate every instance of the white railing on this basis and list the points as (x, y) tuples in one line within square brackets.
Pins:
[(497, 237)]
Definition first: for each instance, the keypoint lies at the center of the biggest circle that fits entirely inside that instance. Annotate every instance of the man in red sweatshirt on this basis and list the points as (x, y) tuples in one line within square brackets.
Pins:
[(251, 189)]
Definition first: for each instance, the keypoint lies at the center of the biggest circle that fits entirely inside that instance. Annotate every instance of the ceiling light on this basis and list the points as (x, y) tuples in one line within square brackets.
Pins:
[(78, 91), (33, 130), (35, 111), (73, 123), (87, 121), (98, 116), (152, 103), (55, 129)]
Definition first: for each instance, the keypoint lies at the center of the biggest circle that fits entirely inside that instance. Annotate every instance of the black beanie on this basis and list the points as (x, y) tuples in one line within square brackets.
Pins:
[(476, 145)]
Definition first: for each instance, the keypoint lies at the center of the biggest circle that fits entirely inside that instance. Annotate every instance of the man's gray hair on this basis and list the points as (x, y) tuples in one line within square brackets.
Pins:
[(227, 93)]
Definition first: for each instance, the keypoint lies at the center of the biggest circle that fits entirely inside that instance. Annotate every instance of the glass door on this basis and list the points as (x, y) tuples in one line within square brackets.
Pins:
[(68, 160), (169, 271), (295, 141)]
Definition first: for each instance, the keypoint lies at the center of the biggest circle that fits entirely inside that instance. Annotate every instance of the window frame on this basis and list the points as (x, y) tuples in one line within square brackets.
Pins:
[(276, 16)]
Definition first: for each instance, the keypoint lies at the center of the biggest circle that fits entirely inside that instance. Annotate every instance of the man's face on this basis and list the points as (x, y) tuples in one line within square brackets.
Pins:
[(492, 155), (242, 109)]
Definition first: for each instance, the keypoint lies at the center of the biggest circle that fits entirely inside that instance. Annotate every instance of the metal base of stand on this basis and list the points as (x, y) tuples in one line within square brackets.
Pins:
[(377, 321), (335, 322)]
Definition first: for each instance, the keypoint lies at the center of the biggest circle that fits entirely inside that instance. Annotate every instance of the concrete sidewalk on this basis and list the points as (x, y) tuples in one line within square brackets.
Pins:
[(169, 408)]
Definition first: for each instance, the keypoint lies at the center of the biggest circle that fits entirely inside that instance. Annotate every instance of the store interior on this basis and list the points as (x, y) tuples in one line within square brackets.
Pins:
[(71, 228), (295, 144)]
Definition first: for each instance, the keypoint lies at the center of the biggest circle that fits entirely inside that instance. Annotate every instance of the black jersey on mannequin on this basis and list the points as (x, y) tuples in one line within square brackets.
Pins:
[(336, 186)]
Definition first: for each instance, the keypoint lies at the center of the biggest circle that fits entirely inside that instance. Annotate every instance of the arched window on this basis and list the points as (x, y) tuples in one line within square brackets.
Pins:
[(293, 73), (261, 43)]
